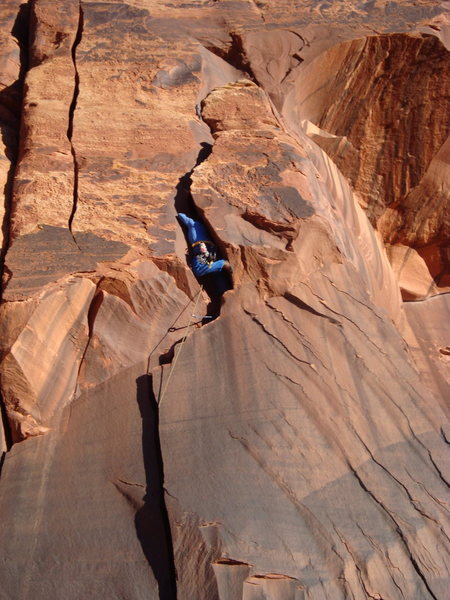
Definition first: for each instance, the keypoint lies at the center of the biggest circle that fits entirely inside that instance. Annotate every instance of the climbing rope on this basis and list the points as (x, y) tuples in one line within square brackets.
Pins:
[(171, 329), (174, 362)]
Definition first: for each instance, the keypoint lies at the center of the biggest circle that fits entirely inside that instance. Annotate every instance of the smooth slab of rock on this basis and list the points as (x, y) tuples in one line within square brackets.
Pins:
[(273, 587), (412, 272), (428, 340), (91, 492), (51, 253), (40, 370), (324, 460)]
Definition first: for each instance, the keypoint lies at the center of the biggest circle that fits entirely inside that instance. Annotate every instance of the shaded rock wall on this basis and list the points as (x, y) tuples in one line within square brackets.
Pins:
[(297, 446), (13, 44), (377, 141)]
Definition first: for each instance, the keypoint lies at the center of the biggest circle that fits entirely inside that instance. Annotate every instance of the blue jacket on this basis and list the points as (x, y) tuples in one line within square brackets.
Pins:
[(197, 232)]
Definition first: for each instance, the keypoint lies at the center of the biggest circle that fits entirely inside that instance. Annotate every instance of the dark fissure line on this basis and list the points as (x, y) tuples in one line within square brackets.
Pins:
[(7, 433), (303, 306), (444, 436), (152, 520), (2, 460), (183, 197), (217, 283), (11, 101), (72, 108), (6, 425), (92, 313)]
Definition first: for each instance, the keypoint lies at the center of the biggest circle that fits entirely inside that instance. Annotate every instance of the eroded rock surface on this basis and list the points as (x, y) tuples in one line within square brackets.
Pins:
[(388, 86), (280, 376), (14, 18), (296, 446)]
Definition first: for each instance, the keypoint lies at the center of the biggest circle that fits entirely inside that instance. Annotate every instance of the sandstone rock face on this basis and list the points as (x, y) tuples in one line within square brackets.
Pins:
[(296, 446), (45, 165), (376, 141), (39, 372), (13, 19), (428, 341), (288, 375)]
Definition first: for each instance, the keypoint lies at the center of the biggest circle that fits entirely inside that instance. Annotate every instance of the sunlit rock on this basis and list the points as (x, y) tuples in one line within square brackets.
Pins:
[(296, 446)]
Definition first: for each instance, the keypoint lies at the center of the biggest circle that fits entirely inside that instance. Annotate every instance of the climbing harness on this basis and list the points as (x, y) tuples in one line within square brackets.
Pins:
[(174, 362)]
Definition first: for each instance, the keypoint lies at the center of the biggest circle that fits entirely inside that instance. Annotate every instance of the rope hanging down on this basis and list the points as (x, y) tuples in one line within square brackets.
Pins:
[(169, 330), (174, 362)]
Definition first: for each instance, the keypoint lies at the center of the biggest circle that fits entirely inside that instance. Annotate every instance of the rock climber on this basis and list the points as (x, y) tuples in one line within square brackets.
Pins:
[(203, 250)]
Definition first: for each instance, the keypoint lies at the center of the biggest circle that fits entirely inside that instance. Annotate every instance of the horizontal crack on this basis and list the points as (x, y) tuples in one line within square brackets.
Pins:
[(141, 485)]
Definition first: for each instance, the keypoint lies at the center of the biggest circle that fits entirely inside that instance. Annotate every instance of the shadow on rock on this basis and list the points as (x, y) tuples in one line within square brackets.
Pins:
[(11, 98), (183, 197), (215, 284), (151, 521)]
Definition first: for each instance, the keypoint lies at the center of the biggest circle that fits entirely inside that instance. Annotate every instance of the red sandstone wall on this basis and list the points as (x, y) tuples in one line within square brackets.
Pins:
[(296, 446)]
